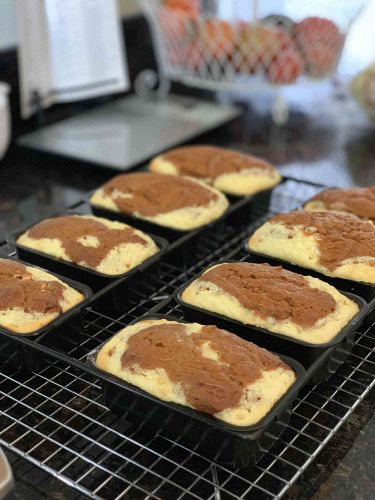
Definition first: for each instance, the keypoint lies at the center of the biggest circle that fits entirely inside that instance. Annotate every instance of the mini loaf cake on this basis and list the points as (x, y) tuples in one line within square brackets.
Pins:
[(270, 297), (357, 201), (175, 202), (107, 247), (203, 367), (229, 171), (335, 244), (31, 298)]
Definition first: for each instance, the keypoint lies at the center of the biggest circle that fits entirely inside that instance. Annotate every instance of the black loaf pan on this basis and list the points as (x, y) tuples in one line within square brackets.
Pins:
[(147, 226), (94, 279), (364, 290), (181, 236), (302, 351), (16, 349), (218, 441)]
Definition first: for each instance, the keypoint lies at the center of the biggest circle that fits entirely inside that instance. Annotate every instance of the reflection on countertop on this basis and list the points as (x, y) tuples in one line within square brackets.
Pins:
[(327, 139), (34, 187)]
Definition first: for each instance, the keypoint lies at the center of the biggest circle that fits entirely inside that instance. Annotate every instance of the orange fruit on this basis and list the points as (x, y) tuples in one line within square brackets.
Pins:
[(320, 42), (286, 67), (190, 7)]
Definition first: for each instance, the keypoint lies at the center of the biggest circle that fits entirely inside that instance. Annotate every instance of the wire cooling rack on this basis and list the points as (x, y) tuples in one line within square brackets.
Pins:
[(56, 418)]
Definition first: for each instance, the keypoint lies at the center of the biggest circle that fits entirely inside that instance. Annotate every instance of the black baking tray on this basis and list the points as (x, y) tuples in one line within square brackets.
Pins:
[(300, 350), (218, 441), (364, 290), (94, 279), (19, 354)]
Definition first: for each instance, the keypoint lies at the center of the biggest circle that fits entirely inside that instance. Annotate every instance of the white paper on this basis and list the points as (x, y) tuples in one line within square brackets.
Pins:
[(33, 55), (69, 50)]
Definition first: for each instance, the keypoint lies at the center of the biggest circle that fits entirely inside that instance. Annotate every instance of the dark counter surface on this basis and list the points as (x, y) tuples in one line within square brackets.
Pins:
[(328, 140), (332, 143)]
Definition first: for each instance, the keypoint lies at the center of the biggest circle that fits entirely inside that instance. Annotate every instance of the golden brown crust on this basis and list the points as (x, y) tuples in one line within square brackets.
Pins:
[(108, 247), (152, 373), (174, 202), (209, 162), (262, 311), (24, 317), (356, 201), (229, 171), (335, 244)]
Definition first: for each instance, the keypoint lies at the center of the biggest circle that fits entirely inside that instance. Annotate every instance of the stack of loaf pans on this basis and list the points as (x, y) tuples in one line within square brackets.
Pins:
[(218, 441)]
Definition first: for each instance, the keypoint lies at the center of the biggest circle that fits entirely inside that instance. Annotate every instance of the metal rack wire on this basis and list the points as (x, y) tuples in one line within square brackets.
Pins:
[(56, 418)]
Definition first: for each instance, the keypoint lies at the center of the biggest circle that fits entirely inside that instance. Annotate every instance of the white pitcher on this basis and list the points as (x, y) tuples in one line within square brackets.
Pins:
[(4, 118)]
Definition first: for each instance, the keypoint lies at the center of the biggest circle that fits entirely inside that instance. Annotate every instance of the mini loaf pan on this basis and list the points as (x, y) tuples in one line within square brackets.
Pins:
[(305, 352), (219, 441), (169, 233), (17, 352), (94, 279), (364, 290), (329, 361), (172, 235), (264, 196)]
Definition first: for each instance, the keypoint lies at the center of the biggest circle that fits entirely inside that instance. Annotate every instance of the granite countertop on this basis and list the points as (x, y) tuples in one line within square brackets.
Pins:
[(331, 143)]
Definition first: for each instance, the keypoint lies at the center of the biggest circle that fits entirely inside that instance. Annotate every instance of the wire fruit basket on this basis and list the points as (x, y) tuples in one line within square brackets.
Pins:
[(247, 44)]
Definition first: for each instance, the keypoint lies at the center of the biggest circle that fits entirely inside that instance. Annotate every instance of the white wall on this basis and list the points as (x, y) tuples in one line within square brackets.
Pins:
[(8, 29), (359, 50)]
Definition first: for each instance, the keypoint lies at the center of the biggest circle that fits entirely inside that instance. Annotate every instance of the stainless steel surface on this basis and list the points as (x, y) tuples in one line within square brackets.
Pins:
[(129, 131), (57, 420), (6, 476)]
